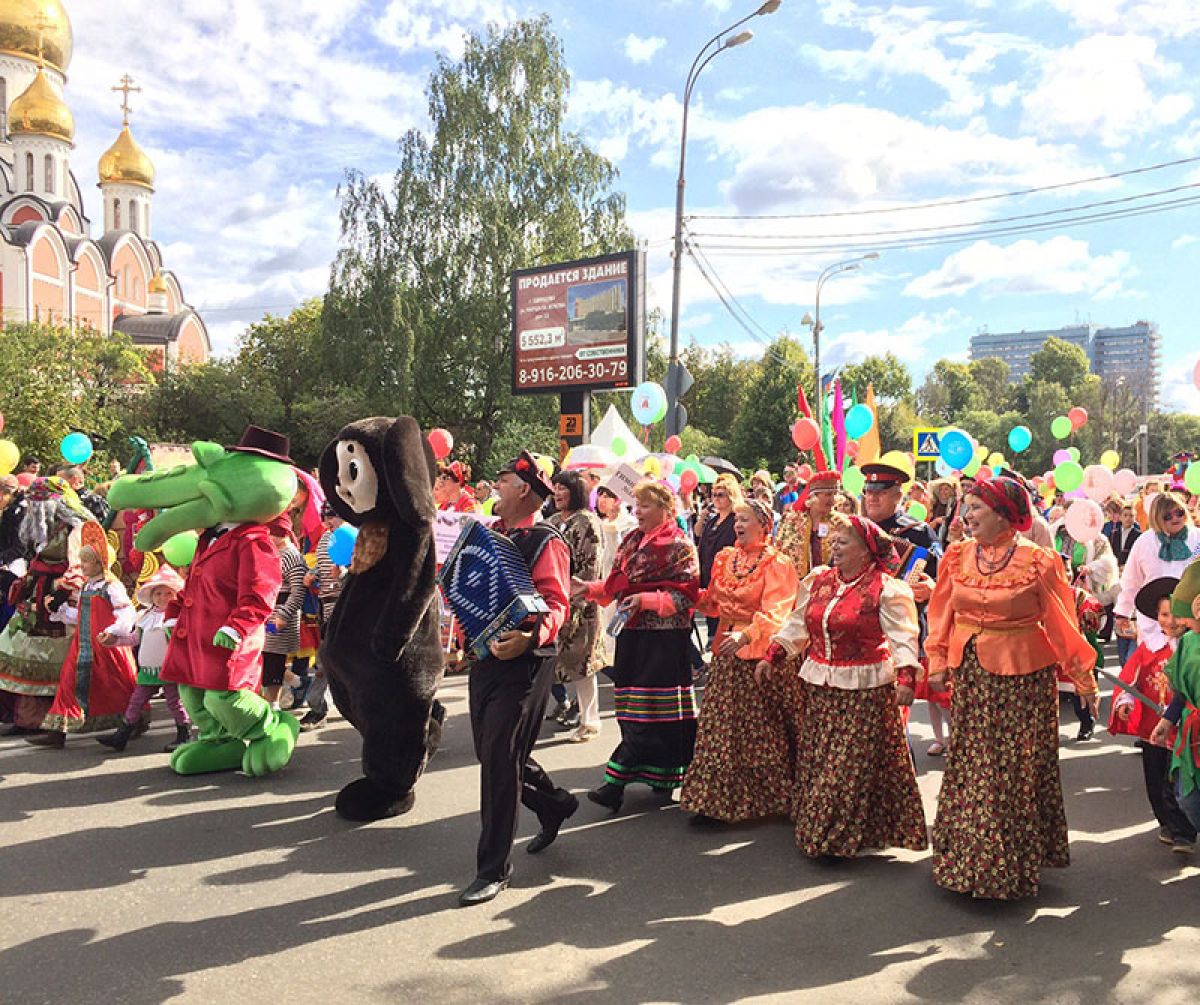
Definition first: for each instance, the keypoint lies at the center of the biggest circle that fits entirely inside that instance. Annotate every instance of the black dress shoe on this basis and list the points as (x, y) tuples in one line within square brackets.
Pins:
[(481, 891), (608, 795), (1085, 732), (544, 838)]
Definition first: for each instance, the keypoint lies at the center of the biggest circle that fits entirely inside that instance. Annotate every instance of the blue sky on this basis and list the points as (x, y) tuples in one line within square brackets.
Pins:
[(254, 108)]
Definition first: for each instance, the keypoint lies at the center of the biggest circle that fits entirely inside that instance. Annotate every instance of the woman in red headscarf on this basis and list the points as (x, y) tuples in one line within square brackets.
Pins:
[(451, 489), (1001, 617), (852, 641)]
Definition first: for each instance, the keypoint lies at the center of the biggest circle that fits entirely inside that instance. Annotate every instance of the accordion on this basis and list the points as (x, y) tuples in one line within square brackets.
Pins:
[(488, 586)]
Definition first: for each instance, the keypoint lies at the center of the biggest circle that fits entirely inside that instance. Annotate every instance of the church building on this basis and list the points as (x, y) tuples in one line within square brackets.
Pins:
[(51, 267)]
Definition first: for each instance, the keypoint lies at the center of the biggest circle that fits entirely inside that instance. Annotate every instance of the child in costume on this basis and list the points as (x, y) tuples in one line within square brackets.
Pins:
[(150, 638), (218, 620), (283, 627), (1144, 671), (1090, 614), (1183, 674), (96, 679), (327, 578)]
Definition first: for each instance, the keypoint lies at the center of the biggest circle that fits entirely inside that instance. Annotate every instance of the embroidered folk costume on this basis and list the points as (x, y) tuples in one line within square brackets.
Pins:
[(652, 676), (743, 764), (1001, 618), (850, 642)]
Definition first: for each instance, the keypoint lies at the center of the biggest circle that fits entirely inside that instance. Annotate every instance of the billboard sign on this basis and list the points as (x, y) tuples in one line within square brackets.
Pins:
[(579, 324)]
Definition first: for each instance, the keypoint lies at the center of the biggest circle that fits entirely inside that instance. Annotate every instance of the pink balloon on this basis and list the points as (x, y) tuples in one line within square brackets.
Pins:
[(1125, 482), (1061, 457), (852, 448), (1078, 416), (805, 434), (688, 480), (673, 445), (805, 472), (25, 479), (1084, 520), (984, 473)]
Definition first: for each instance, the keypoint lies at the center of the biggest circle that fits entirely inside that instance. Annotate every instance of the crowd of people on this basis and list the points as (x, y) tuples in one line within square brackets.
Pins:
[(765, 642)]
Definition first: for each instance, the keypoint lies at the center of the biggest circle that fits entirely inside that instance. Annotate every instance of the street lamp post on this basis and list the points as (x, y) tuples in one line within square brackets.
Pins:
[(836, 269), (703, 58)]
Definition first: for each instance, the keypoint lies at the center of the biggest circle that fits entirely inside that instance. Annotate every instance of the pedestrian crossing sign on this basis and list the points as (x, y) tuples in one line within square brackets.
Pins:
[(927, 444)]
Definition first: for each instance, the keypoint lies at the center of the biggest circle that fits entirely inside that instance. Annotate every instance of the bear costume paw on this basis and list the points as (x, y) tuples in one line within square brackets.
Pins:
[(362, 801)]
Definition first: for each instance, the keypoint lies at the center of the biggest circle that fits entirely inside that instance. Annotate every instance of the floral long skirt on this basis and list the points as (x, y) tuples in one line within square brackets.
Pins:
[(744, 763), (1000, 816), (855, 785)]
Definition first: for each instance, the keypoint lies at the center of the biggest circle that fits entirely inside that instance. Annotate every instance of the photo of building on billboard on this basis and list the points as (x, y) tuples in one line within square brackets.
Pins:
[(578, 324)]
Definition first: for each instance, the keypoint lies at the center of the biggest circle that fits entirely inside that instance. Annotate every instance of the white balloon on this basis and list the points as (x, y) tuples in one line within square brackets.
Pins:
[(1098, 482), (1084, 520), (1125, 482)]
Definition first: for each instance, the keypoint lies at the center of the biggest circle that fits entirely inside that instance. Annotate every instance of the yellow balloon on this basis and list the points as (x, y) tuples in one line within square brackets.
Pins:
[(546, 464), (10, 456), (651, 467), (1110, 459), (980, 453), (996, 460)]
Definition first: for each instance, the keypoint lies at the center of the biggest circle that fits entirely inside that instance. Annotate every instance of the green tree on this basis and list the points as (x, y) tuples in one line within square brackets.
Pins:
[(420, 291), (886, 374), (1059, 362), (57, 379), (947, 392), (722, 383), (283, 355), (992, 386), (762, 434)]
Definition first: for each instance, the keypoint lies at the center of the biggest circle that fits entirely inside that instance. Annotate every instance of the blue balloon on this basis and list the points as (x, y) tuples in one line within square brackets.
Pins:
[(341, 545), (956, 449), (1019, 438), (859, 421), (942, 468), (76, 448)]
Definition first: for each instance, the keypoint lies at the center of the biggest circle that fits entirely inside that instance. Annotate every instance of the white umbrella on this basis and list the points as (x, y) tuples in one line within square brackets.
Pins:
[(589, 457)]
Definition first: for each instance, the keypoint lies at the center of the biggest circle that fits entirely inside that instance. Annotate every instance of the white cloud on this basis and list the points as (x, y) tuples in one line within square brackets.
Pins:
[(642, 50), (1101, 87), (409, 25), (911, 341), (1062, 265), (1165, 18), (1179, 391), (1183, 240)]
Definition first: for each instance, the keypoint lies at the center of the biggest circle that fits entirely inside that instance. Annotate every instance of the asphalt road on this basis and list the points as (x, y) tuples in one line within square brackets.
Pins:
[(123, 883)]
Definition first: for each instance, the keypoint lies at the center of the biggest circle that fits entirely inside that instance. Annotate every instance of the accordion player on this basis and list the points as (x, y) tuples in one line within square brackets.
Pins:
[(488, 586)]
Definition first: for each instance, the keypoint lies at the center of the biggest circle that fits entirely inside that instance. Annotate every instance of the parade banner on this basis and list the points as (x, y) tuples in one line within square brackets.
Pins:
[(447, 525), (622, 483), (579, 324)]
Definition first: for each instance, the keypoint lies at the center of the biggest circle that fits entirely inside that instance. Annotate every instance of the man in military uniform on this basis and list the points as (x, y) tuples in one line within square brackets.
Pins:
[(882, 495)]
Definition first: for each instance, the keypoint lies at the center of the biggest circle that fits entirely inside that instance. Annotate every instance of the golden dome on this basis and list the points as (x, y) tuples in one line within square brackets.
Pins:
[(126, 163), (157, 284), (41, 110), (23, 21)]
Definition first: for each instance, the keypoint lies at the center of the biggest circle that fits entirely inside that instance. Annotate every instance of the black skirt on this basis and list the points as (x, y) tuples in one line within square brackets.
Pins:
[(656, 708)]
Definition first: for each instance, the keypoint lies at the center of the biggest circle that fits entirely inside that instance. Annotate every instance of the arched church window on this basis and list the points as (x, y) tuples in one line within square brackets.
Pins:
[(133, 215), (116, 214), (66, 180), (49, 162), (29, 172)]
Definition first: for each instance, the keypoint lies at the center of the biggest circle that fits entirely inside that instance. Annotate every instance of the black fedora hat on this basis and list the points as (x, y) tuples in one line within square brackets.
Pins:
[(264, 442), (1149, 596)]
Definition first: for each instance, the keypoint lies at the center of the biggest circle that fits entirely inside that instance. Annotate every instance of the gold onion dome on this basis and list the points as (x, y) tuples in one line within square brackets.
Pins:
[(125, 163), (33, 28), (157, 284), (41, 110)]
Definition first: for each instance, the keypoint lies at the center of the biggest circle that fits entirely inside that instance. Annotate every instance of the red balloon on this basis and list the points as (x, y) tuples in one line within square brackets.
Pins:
[(805, 472), (852, 448), (805, 434), (1078, 417), (673, 445), (1, 422), (25, 479), (689, 480), (984, 474), (441, 443)]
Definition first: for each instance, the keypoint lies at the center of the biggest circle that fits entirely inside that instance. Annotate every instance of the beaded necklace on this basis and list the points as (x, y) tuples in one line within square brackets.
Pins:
[(989, 566)]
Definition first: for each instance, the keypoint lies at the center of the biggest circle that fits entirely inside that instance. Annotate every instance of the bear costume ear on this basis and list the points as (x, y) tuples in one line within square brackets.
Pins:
[(409, 469)]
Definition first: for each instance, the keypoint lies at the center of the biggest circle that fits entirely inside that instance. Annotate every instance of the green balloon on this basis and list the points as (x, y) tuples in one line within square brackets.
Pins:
[(1068, 476), (1061, 428), (853, 481), (1074, 452), (917, 511), (972, 469), (180, 549), (1191, 478), (619, 446)]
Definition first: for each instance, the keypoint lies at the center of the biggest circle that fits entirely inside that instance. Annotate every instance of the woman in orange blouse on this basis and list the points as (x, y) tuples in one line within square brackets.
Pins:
[(742, 767), (1001, 617)]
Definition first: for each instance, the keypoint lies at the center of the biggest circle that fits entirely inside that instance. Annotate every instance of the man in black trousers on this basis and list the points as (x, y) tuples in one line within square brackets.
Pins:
[(509, 690)]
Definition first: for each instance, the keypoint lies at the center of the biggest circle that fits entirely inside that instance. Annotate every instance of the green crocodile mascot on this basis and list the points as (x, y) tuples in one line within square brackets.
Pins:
[(237, 497)]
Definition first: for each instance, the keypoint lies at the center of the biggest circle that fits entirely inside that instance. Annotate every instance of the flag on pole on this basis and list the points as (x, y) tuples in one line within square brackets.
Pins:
[(869, 447), (839, 424)]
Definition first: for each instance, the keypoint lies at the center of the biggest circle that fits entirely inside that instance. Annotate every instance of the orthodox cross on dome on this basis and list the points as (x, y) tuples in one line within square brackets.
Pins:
[(126, 89), (43, 24)]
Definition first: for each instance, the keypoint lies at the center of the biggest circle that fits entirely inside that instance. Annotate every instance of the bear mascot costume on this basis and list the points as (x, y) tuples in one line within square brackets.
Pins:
[(381, 649), (218, 622)]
